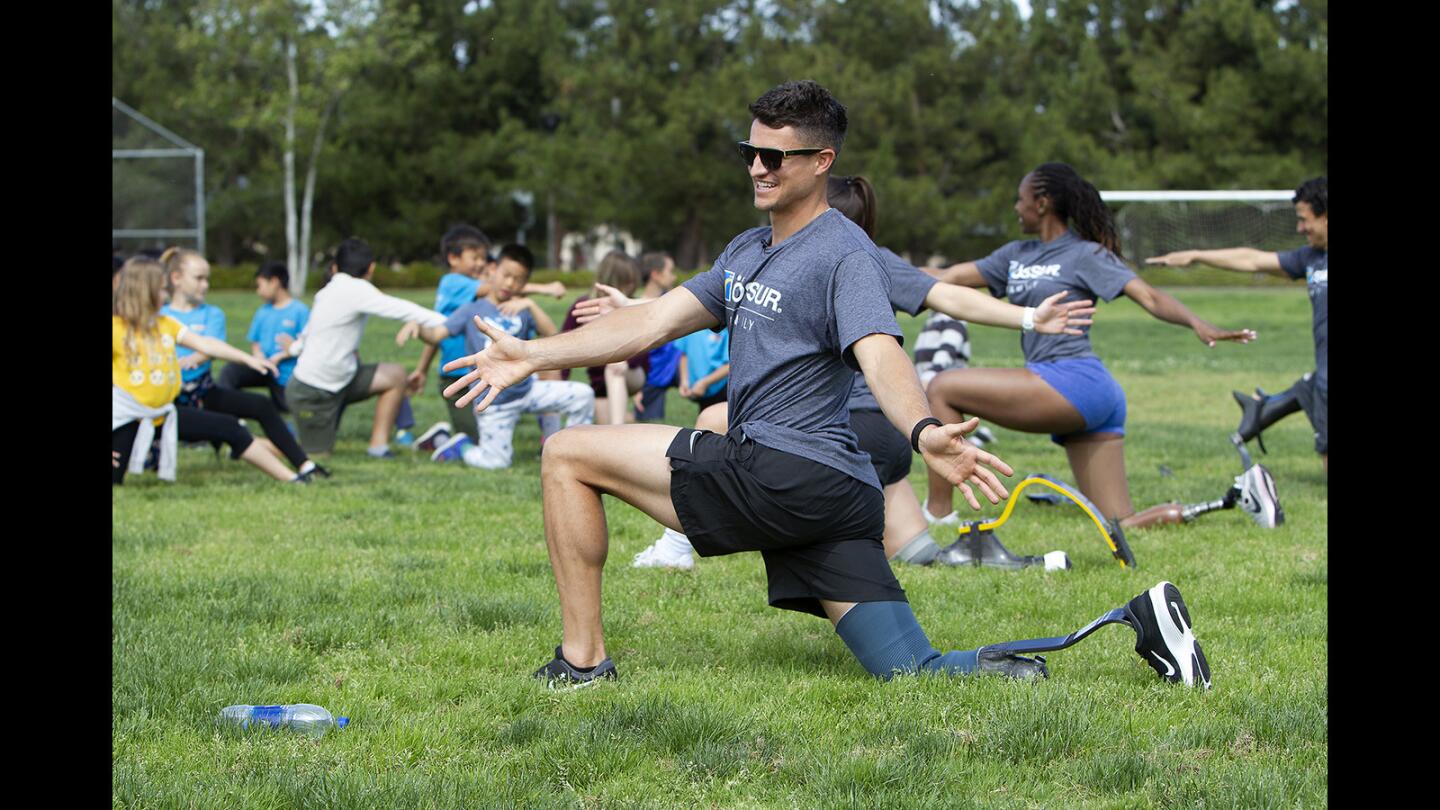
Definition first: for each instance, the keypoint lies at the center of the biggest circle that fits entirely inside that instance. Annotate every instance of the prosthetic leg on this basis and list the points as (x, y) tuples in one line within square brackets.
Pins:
[(1258, 414), (1163, 636), (978, 544)]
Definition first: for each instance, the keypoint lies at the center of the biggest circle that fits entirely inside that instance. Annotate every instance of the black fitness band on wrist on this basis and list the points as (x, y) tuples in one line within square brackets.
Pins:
[(919, 426)]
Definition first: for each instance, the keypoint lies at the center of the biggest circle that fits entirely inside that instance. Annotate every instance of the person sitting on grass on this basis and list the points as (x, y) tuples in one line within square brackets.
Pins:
[(189, 276), (145, 379), (612, 382), (496, 425), (704, 366), (281, 314), (658, 269), (328, 373), (466, 249)]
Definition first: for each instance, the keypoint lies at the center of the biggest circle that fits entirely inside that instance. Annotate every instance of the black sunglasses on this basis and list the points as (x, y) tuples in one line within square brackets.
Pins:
[(771, 158)]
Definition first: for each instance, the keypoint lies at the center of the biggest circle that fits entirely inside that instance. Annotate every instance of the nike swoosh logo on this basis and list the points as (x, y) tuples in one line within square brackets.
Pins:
[(1169, 668), (693, 436)]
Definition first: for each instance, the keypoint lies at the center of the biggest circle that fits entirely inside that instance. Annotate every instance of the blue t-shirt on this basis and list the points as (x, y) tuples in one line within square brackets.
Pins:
[(207, 320), (664, 362), (455, 291), (704, 352), (270, 322), (462, 323), (1028, 272), (1313, 265), (908, 288), (794, 311)]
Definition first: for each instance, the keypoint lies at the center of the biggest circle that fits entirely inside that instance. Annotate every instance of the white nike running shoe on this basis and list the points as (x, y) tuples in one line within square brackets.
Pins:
[(1258, 498), (655, 556)]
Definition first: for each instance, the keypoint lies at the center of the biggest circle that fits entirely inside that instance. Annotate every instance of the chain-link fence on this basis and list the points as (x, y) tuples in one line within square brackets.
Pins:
[(157, 185)]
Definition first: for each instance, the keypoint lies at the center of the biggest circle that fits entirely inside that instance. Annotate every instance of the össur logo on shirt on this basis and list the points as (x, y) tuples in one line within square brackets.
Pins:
[(1019, 271), (738, 292)]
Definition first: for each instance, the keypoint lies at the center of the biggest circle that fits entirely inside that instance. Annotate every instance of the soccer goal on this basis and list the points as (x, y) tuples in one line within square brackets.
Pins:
[(157, 184), (1155, 222)]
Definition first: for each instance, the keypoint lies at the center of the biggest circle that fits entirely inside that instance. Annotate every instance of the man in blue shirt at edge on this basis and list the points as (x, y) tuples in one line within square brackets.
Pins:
[(1312, 263)]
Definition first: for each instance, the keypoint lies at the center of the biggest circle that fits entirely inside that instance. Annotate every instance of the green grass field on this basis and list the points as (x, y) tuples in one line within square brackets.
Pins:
[(416, 598)]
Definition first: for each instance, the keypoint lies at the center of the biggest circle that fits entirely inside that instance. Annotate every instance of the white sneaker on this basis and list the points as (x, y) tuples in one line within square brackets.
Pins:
[(952, 519), (1258, 497), (654, 557)]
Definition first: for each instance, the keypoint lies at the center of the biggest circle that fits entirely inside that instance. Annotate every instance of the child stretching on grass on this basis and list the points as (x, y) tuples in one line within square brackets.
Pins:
[(281, 314), (496, 425), (145, 378), (328, 374)]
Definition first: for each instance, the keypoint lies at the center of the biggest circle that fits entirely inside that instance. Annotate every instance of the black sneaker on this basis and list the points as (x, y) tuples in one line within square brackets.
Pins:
[(433, 437), (1163, 636), (1011, 665), (559, 674), (310, 474)]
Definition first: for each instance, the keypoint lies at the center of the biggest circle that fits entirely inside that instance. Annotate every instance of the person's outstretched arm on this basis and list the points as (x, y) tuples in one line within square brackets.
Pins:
[(965, 274), (892, 378), (1168, 308), (620, 335), (219, 348), (1239, 260), (1051, 317)]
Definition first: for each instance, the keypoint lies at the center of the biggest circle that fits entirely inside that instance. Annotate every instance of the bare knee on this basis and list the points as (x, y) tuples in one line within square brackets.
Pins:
[(387, 376)]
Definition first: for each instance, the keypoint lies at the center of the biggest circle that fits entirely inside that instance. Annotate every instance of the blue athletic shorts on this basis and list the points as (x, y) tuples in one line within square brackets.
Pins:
[(1086, 384)]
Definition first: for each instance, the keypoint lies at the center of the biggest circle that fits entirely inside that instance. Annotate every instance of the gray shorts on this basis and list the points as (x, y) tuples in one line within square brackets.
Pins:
[(317, 411)]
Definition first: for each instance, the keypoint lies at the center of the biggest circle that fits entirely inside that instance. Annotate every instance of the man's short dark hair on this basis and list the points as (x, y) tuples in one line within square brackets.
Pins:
[(1314, 192), (460, 237), (652, 262), (519, 254), (817, 116), (274, 269), (354, 257)]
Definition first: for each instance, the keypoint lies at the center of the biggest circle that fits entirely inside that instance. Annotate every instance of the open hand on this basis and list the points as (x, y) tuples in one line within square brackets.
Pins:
[(1053, 317), (262, 365), (946, 451), (503, 363), (592, 308), (409, 330), (514, 306), (1209, 333)]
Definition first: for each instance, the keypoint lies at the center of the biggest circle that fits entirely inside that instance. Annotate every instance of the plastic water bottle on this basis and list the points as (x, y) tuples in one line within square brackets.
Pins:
[(306, 718)]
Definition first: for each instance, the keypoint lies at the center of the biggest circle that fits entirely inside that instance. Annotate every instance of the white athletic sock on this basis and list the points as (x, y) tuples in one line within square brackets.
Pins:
[(674, 543), (306, 467), (378, 452)]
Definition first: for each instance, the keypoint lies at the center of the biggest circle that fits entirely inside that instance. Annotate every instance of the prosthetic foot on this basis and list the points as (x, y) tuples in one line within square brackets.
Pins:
[(982, 547), (1253, 491), (1258, 414), (1163, 636)]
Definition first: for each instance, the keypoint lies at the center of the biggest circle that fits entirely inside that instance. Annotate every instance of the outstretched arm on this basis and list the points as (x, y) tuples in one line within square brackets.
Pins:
[(891, 377), (224, 351), (1240, 260), (1051, 317), (965, 274), (1169, 309), (623, 334)]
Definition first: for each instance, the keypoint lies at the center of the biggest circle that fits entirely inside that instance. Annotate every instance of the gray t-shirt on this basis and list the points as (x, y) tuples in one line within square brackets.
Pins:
[(521, 326), (794, 311), (1029, 272), (908, 288), (1313, 265)]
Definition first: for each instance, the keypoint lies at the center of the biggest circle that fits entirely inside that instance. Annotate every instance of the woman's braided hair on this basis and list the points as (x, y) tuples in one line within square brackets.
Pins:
[(1077, 203)]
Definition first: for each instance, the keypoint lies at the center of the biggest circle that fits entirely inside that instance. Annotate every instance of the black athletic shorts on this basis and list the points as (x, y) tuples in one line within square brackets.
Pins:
[(817, 528), (889, 451)]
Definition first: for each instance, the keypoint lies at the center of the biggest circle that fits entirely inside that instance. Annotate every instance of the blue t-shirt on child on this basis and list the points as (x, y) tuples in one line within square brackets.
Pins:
[(455, 291), (462, 322), (207, 320), (270, 322), (704, 352)]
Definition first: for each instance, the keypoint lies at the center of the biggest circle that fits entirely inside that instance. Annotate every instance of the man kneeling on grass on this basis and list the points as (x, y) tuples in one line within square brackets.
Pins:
[(806, 303), (522, 318)]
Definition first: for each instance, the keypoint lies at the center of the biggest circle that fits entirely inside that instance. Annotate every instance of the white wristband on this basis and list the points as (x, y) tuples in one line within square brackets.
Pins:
[(1027, 321)]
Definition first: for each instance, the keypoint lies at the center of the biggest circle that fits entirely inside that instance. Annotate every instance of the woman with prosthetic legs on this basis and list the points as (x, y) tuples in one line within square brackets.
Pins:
[(1064, 389)]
